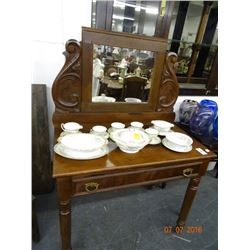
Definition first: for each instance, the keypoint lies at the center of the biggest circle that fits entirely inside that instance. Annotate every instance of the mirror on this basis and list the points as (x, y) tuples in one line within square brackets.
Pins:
[(121, 74), (120, 71)]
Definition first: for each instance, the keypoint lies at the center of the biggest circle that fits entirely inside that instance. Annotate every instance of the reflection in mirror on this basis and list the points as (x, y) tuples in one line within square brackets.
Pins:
[(121, 74)]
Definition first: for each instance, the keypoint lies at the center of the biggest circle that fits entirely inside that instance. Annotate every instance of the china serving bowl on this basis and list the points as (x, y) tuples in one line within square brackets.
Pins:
[(162, 126), (80, 155), (178, 140), (83, 142), (130, 140)]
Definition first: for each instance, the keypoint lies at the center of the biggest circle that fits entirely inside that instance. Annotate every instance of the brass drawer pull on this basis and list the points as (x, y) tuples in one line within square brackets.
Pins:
[(187, 172), (91, 186)]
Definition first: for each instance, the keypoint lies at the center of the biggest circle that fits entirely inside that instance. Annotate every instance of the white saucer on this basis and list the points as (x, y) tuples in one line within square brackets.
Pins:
[(169, 146), (58, 148), (162, 132), (156, 140), (104, 135)]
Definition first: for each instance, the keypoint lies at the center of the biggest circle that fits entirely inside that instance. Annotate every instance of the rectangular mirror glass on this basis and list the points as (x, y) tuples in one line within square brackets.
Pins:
[(116, 67), (121, 74)]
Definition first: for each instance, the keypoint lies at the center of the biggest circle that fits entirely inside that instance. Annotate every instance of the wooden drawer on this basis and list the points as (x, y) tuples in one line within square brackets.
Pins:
[(103, 182)]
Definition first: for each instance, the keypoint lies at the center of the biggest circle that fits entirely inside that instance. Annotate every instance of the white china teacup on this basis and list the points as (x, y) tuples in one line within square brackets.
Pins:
[(137, 125), (99, 130), (71, 127), (117, 125)]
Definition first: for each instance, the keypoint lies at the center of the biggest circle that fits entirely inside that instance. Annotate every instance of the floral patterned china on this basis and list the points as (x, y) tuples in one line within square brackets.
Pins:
[(130, 140)]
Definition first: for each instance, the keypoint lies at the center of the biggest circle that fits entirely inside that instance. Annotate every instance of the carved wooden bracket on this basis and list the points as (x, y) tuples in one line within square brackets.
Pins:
[(169, 88), (66, 89)]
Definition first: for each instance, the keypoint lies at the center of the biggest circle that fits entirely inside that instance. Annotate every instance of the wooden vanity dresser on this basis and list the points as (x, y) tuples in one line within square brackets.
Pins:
[(71, 92)]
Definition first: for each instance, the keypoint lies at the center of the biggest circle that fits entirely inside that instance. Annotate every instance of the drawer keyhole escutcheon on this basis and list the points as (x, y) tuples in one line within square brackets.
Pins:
[(187, 172), (91, 186)]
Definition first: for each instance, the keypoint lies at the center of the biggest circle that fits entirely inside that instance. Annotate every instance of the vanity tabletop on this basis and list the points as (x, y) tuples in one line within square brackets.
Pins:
[(116, 160)]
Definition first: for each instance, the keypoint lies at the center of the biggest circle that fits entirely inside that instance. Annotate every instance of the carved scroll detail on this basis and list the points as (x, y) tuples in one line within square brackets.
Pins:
[(169, 88), (66, 89)]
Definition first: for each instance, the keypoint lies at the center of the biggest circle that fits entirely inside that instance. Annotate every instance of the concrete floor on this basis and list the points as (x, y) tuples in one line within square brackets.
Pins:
[(133, 219)]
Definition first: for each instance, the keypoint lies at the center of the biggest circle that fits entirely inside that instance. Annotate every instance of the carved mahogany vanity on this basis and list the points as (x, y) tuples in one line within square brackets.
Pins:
[(72, 96)]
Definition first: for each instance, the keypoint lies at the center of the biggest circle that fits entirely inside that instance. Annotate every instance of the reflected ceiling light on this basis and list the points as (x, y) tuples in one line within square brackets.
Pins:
[(153, 11), (122, 18), (119, 4), (138, 8)]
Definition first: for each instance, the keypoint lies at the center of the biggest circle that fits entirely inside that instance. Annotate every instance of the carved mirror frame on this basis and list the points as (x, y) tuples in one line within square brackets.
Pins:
[(71, 90)]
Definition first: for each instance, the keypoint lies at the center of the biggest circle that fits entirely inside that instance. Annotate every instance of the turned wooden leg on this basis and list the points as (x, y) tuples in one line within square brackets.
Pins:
[(64, 196), (188, 200)]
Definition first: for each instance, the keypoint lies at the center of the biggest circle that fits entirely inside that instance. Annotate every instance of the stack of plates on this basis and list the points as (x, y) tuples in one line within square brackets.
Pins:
[(81, 146), (178, 142)]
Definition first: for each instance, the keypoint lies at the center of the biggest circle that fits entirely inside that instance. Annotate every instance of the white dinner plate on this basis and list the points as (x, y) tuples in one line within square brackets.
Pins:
[(59, 149), (176, 149)]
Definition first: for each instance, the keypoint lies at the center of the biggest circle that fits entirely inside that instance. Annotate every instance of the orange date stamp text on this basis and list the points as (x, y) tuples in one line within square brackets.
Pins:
[(186, 229)]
